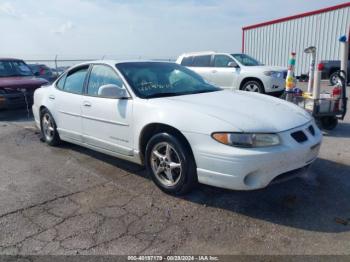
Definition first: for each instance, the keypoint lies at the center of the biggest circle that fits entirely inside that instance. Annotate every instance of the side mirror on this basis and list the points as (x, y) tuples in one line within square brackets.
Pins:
[(233, 64), (36, 74), (113, 91)]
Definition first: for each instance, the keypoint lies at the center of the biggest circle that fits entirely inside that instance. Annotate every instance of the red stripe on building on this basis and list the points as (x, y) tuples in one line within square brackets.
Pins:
[(320, 11)]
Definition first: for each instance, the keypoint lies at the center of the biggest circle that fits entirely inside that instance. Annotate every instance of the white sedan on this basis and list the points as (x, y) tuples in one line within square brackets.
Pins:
[(184, 130)]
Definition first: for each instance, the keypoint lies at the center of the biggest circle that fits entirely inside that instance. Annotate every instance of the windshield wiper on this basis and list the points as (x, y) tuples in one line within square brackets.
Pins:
[(180, 93), (205, 91), (164, 94)]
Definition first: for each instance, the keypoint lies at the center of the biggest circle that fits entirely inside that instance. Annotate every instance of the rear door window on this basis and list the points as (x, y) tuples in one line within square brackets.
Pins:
[(60, 83), (201, 61)]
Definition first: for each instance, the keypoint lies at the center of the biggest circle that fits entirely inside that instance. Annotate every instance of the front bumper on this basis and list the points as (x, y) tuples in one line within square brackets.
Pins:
[(252, 168), (16, 100), (273, 85), (36, 115)]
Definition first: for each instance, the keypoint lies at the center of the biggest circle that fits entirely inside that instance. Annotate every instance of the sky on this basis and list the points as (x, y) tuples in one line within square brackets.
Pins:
[(132, 29)]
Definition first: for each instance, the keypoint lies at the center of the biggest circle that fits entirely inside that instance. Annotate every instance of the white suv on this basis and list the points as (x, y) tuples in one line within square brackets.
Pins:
[(236, 71)]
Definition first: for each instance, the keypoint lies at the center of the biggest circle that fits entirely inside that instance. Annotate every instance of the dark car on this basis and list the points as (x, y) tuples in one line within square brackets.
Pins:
[(59, 70), (17, 83), (43, 71), (331, 67)]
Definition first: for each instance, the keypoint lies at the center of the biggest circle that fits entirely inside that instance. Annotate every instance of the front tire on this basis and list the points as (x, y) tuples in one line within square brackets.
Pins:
[(253, 86), (170, 164), (49, 129), (328, 122)]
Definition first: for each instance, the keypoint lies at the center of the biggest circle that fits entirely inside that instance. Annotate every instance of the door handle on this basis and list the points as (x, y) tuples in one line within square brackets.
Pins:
[(87, 104), (52, 97)]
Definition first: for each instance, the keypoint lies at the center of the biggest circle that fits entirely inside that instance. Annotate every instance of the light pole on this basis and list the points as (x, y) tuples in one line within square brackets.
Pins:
[(311, 50)]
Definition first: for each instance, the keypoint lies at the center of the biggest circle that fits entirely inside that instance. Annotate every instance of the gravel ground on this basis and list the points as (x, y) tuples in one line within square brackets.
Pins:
[(71, 200)]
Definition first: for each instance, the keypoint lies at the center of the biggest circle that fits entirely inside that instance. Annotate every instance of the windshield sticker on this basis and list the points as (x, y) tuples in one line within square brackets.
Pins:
[(146, 86)]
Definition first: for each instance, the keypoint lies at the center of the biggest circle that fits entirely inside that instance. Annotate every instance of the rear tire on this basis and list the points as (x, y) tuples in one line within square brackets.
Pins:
[(49, 128), (253, 86), (170, 164), (328, 122)]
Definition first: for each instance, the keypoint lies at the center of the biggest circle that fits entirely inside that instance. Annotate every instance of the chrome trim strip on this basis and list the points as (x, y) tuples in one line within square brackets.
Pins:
[(70, 114), (96, 119), (105, 121)]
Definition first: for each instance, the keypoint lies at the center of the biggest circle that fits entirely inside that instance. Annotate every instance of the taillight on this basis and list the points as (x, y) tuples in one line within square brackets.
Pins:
[(320, 67), (336, 92)]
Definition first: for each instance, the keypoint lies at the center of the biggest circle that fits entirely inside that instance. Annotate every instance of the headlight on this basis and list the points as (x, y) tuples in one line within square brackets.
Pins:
[(247, 140), (275, 74)]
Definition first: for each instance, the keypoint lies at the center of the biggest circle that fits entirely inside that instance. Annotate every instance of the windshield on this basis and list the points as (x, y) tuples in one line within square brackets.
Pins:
[(14, 68), (41, 69), (246, 60), (157, 79)]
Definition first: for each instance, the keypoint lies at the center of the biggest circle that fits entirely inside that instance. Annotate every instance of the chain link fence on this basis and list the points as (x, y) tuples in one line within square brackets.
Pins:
[(58, 65)]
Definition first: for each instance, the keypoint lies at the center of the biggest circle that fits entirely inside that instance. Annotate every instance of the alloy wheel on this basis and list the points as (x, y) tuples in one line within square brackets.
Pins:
[(166, 164), (48, 127), (252, 87)]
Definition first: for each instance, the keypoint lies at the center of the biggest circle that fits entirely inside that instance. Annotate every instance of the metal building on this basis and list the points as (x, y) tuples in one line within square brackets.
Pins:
[(271, 42)]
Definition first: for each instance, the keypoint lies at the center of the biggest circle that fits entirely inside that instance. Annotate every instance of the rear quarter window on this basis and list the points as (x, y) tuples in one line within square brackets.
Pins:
[(75, 80), (60, 83), (187, 61), (201, 61)]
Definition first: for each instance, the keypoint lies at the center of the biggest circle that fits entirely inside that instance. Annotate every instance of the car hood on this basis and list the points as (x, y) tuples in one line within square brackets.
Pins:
[(21, 82), (245, 111)]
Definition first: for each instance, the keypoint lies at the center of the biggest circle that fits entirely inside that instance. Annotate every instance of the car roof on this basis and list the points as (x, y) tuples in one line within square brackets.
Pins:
[(199, 53)]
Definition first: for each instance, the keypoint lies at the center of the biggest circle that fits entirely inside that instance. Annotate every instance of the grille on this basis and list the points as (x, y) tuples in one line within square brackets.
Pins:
[(299, 136), (312, 130)]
